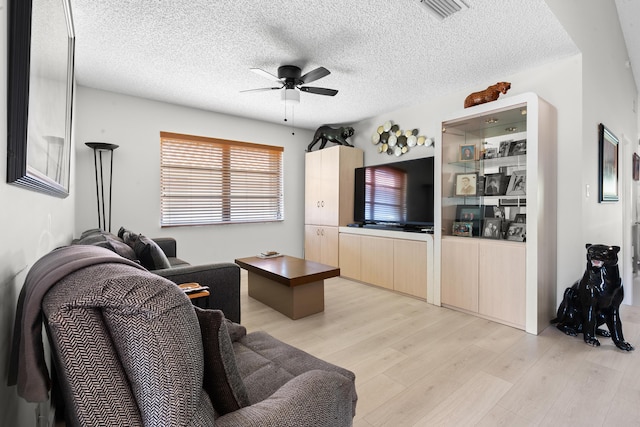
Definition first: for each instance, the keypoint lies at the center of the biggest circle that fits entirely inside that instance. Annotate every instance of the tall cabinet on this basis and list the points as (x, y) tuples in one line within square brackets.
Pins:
[(329, 184), (497, 240)]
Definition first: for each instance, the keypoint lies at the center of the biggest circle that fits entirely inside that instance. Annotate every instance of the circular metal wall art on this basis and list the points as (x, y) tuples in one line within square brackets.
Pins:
[(393, 140)]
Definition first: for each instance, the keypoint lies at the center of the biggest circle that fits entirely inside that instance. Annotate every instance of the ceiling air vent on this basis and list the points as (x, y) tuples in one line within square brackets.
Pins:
[(442, 9)]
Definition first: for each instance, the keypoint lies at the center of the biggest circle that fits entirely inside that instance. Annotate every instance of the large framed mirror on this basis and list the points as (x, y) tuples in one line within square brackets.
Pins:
[(40, 95)]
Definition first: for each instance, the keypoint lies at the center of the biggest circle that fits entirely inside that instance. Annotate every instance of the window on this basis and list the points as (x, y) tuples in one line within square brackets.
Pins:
[(216, 181)]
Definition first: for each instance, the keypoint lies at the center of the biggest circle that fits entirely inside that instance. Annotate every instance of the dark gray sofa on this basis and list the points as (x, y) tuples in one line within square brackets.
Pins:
[(222, 278)]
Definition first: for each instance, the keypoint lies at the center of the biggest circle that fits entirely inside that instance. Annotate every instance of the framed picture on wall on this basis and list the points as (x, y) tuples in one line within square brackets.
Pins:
[(607, 165)]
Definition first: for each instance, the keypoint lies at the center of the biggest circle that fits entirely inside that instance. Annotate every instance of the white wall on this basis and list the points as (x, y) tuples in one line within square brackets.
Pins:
[(31, 224), (608, 96), (135, 125)]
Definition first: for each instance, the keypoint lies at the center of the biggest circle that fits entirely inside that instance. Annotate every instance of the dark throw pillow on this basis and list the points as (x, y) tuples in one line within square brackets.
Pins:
[(97, 237), (222, 380), (150, 255)]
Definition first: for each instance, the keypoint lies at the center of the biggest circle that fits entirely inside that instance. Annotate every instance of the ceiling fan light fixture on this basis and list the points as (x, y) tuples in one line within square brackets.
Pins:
[(291, 95), (442, 9)]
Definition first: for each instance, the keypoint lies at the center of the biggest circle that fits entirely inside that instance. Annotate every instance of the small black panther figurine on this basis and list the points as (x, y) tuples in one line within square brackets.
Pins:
[(595, 299), (326, 134)]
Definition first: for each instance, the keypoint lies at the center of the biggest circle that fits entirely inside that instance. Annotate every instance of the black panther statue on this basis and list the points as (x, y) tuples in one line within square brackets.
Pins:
[(595, 299), (326, 133)]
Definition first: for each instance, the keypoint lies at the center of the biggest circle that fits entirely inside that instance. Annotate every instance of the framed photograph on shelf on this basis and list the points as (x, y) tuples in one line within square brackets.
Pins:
[(521, 218), (492, 228), (494, 212), (504, 148), (513, 202), (493, 184), (466, 184), (518, 148), (491, 153), (517, 184), (467, 153), (472, 214), (464, 229), (607, 165), (517, 232)]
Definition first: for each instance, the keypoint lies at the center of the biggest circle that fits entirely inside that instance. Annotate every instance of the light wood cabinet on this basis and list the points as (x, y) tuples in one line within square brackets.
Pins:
[(329, 183), (410, 267), (512, 282), (502, 281), (460, 273), (349, 256), (486, 277), (399, 262), (377, 261), (321, 244)]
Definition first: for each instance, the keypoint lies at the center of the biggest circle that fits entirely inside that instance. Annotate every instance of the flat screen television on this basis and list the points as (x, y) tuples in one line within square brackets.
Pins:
[(395, 195)]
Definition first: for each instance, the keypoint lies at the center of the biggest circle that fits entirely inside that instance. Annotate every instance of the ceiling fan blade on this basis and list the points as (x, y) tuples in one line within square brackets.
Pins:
[(314, 75), (319, 90), (262, 89), (265, 74)]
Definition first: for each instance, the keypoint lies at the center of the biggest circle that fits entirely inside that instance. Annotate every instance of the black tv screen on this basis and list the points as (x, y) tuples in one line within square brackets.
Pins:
[(398, 194)]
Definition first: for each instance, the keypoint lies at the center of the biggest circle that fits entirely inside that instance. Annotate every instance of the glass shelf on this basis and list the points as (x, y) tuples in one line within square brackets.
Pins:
[(519, 160)]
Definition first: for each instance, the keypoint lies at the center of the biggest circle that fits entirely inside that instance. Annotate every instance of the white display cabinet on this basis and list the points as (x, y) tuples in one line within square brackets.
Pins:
[(496, 244)]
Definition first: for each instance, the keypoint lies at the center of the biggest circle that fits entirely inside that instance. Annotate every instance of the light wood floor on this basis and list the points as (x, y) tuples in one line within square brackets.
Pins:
[(421, 365)]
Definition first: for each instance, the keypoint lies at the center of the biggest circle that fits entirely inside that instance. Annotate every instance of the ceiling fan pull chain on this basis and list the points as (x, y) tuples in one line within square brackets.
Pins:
[(293, 122)]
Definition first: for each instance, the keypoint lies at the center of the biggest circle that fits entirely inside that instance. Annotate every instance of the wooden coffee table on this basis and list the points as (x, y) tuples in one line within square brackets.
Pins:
[(293, 286)]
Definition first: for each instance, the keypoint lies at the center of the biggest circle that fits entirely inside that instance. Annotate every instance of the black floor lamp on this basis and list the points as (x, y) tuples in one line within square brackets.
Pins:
[(100, 148)]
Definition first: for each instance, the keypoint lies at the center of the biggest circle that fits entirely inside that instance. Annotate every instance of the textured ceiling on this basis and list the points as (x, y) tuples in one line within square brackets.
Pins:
[(383, 55)]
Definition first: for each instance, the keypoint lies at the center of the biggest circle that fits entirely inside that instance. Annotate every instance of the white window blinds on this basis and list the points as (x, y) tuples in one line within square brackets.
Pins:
[(216, 181)]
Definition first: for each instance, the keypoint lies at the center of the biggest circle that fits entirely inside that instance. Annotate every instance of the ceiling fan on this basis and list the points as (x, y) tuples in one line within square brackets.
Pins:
[(290, 78)]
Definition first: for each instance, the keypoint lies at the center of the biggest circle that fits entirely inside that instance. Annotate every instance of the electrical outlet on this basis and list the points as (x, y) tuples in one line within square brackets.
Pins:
[(587, 191)]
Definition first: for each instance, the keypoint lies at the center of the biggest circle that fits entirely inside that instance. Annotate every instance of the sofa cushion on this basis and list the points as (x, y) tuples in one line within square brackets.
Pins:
[(266, 364), (97, 237), (222, 380), (146, 250)]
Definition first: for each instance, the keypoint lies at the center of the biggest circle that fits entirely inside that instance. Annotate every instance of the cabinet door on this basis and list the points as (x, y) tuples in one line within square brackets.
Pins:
[(376, 261), (502, 281), (329, 246), (312, 187), (459, 275), (410, 267), (329, 193), (349, 254), (312, 242)]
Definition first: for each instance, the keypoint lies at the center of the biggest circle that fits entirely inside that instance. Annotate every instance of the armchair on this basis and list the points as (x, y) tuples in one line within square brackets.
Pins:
[(128, 349)]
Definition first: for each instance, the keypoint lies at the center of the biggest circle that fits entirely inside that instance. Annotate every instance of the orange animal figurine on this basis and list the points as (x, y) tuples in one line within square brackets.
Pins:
[(489, 94)]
